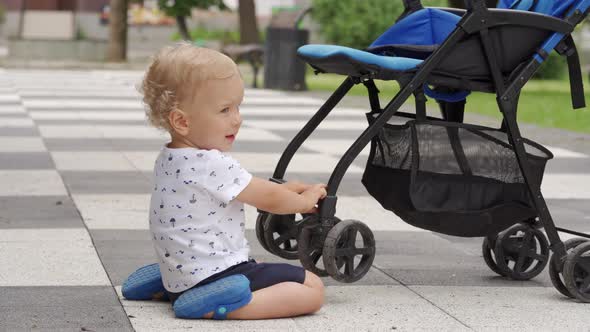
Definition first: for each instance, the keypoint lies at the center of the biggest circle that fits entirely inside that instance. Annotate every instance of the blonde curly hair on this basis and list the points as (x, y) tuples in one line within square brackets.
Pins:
[(174, 75)]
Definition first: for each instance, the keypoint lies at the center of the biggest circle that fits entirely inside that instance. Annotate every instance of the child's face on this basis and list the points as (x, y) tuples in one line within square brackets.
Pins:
[(214, 115)]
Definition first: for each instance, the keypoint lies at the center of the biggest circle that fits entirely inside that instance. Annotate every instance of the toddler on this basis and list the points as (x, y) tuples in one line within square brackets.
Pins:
[(197, 219)]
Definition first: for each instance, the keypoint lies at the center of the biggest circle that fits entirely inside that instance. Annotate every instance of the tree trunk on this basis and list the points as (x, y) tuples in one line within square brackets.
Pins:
[(21, 18), (461, 3), (182, 28), (248, 25), (117, 48)]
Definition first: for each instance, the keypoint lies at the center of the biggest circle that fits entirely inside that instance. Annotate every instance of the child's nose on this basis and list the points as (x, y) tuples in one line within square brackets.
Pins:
[(237, 120)]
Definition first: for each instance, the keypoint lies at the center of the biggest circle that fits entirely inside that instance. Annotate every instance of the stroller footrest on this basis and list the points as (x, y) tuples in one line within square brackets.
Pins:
[(352, 62)]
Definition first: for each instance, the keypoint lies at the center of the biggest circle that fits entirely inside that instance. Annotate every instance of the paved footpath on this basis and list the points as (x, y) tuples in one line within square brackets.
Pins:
[(75, 162)]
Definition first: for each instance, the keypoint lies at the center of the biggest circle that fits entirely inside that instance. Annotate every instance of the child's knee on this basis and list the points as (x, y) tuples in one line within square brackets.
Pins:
[(313, 281)]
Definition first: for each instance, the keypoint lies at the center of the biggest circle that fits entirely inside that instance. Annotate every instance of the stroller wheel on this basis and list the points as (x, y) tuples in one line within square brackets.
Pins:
[(281, 233), (260, 221), (555, 270), (311, 245), (487, 249), (521, 252), (576, 272), (343, 246)]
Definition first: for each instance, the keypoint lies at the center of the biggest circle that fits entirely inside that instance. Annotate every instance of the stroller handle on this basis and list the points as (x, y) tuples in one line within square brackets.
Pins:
[(475, 5), (414, 5)]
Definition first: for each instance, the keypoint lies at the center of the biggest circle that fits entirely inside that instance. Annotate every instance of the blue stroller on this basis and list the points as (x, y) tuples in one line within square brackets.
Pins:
[(441, 174)]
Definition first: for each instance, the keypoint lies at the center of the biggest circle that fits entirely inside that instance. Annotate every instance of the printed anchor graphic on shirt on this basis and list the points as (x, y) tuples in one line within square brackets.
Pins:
[(199, 226)]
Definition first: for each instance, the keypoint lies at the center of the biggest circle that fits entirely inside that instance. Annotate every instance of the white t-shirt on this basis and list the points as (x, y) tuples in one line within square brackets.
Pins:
[(198, 228)]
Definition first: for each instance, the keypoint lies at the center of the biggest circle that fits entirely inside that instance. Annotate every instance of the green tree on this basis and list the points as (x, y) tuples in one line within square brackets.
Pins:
[(2, 14), (21, 18), (180, 9), (117, 46), (248, 24), (356, 23)]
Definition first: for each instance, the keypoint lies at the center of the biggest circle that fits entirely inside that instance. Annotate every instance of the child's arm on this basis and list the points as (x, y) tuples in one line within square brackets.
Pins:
[(296, 186), (278, 199)]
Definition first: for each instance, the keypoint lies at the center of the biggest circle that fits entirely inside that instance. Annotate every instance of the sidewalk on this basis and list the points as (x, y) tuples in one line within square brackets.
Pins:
[(75, 163)]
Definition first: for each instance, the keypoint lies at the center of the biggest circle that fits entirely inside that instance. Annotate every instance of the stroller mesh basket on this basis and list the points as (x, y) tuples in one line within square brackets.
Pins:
[(451, 178)]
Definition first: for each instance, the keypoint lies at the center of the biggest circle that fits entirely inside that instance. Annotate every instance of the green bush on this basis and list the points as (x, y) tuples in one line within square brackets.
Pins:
[(356, 23), (555, 67), (225, 36)]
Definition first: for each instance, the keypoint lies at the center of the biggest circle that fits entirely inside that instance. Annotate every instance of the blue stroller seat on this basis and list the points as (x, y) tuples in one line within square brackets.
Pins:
[(441, 174), (405, 44)]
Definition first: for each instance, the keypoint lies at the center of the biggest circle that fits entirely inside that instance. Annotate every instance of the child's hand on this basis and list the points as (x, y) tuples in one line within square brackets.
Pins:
[(312, 195)]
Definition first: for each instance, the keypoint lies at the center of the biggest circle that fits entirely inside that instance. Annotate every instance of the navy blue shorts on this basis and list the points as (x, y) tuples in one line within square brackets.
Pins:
[(261, 275)]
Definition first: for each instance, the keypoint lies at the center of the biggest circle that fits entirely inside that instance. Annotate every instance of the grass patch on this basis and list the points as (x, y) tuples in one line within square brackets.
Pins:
[(200, 34), (544, 103)]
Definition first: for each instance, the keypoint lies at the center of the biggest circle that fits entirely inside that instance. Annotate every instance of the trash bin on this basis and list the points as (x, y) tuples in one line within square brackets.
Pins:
[(282, 68)]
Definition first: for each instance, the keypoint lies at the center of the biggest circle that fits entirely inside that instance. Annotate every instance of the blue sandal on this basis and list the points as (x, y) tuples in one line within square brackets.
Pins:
[(144, 284), (222, 297)]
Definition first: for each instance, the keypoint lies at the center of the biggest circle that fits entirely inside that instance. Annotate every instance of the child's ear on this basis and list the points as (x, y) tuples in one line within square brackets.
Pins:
[(179, 121)]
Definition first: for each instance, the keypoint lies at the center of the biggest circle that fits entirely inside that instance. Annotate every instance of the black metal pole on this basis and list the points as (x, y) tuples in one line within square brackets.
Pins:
[(310, 126)]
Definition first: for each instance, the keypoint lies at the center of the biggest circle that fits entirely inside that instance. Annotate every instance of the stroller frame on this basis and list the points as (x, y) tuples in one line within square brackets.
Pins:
[(476, 19)]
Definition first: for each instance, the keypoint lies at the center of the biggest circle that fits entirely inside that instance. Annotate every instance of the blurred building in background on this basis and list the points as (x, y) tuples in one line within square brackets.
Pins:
[(58, 29)]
